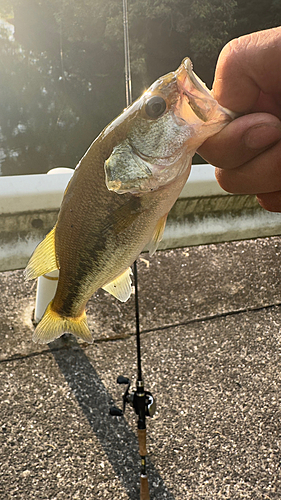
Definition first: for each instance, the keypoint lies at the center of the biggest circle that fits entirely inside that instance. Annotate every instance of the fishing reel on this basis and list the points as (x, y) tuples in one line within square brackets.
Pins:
[(139, 399)]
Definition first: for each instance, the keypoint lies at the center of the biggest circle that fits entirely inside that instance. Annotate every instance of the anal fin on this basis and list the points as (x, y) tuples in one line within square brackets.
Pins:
[(121, 287)]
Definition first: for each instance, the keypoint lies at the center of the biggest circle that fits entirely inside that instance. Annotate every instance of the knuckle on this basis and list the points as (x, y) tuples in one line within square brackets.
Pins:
[(224, 178)]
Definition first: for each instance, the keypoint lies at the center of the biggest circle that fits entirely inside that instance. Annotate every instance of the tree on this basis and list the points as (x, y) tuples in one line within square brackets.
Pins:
[(56, 90), (255, 15), (62, 78)]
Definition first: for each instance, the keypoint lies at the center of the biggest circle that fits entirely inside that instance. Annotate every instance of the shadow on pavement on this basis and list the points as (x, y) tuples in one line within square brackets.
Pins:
[(114, 434)]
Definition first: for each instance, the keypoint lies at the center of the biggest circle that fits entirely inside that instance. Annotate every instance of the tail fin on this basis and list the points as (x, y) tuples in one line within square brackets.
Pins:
[(53, 326)]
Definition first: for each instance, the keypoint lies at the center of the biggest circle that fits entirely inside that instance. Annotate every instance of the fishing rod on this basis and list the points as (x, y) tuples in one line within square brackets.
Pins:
[(142, 401)]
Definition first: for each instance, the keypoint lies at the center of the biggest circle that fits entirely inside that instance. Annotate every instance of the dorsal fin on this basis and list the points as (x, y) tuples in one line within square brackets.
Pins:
[(43, 259), (121, 287)]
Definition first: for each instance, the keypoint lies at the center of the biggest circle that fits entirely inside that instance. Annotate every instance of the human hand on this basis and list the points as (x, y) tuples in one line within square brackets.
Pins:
[(247, 152)]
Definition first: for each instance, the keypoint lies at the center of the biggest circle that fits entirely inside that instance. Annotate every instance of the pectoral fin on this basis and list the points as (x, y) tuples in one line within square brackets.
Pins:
[(125, 215), (157, 234), (121, 287), (43, 259)]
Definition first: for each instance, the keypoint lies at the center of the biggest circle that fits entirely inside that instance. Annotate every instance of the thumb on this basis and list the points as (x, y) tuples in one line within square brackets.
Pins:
[(241, 140)]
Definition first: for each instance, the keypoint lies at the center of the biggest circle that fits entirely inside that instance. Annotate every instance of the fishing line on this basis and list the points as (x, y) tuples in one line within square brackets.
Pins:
[(142, 401), (128, 78), (62, 76), (128, 90)]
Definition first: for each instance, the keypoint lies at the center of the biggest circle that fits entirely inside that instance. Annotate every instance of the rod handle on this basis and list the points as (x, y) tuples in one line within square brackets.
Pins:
[(142, 442), (144, 491)]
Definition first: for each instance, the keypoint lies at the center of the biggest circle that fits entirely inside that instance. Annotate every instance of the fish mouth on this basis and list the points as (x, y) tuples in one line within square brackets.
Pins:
[(198, 97)]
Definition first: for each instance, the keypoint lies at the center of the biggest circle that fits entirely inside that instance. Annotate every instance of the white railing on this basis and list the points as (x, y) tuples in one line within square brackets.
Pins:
[(28, 207), (25, 193)]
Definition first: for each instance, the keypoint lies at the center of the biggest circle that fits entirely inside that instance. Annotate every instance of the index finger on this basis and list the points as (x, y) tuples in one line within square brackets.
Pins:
[(247, 67)]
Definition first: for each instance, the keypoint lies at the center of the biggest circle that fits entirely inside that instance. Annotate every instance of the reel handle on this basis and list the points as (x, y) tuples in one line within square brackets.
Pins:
[(122, 380), (115, 412)]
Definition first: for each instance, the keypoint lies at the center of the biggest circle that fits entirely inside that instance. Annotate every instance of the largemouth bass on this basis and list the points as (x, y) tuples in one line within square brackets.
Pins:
[(119, 197)]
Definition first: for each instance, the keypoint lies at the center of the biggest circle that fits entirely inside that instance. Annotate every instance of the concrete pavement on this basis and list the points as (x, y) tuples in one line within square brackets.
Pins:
[(210, 322)]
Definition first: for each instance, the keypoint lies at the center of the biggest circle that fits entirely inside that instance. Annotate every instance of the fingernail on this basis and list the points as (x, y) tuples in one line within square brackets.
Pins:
[(262, 136)]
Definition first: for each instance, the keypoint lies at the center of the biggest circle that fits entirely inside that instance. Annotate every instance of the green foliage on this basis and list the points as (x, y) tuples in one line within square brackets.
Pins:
[(256, 15), (62, 78), (58, 88)]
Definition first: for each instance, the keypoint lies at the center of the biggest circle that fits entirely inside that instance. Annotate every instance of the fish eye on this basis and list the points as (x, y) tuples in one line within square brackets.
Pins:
[(155, 107)]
